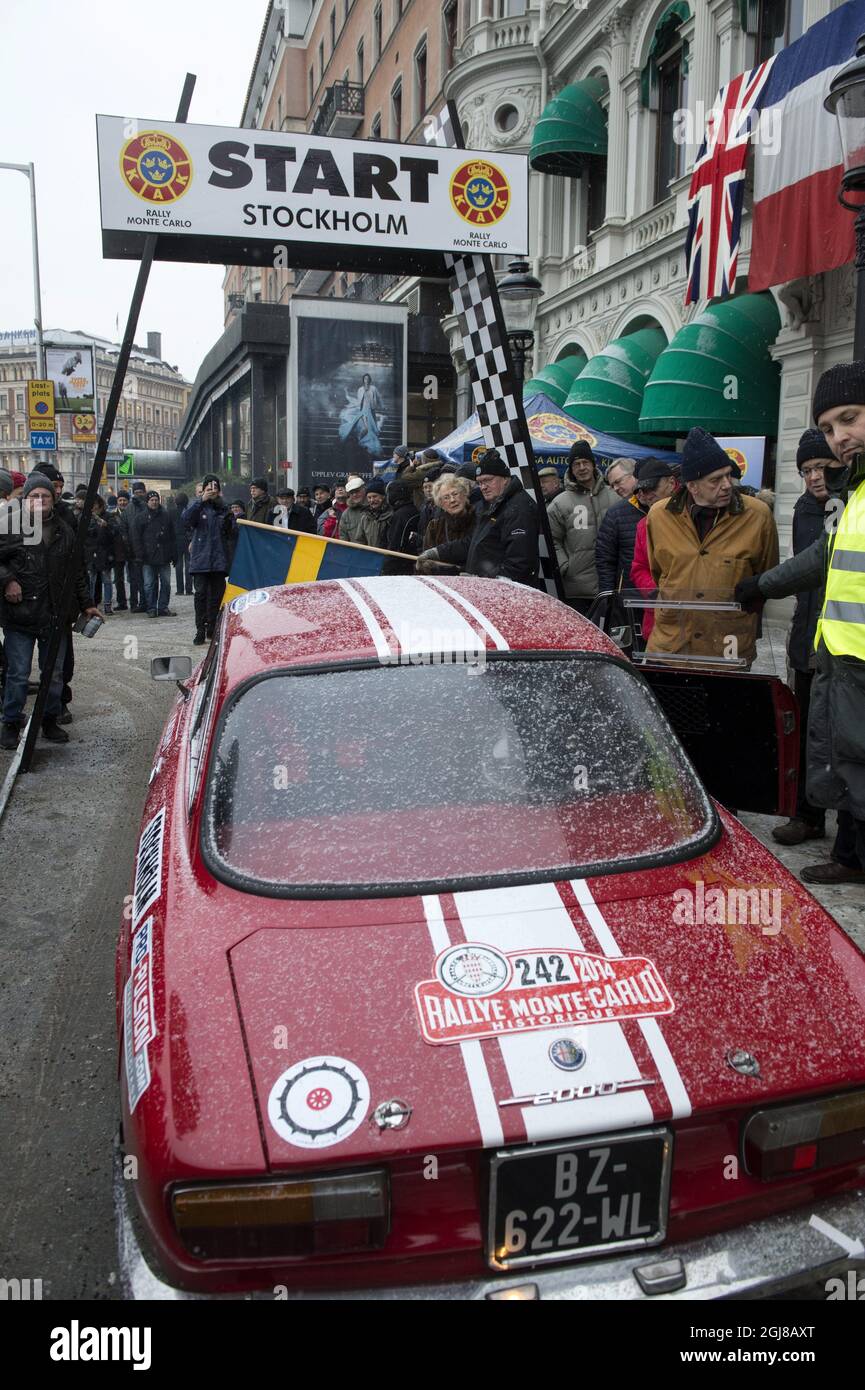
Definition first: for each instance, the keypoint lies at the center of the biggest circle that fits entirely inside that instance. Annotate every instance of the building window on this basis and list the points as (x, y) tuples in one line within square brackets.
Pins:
[(360, 62), (279, 112), (376, 32), (396, 111), (779, 22), (375, 128), (670, 152), (321, 60), (450, 25), (420, 73), (19, 400), (332, 30), (596, 194), (311, 86), (4, 401)]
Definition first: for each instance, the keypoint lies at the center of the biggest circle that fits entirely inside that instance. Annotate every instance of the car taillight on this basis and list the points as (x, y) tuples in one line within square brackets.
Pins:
[(803, 1138), (335, 1215)]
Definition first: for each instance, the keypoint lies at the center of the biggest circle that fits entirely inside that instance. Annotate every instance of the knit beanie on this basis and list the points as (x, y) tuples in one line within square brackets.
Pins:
[(35, 480), (814, 445), (492, 463), (702, 454), (581, 449), (841, 385), (259, 483), (376, 485)]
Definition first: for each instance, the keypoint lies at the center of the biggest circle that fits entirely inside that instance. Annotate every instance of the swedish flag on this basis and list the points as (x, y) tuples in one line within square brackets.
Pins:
[(267, 555)]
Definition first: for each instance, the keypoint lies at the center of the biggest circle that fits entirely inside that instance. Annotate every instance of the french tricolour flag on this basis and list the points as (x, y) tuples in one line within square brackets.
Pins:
[(799, 226)]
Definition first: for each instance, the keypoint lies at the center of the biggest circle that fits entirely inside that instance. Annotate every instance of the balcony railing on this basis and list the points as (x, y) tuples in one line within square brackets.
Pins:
[(372, 286), (341, 112)]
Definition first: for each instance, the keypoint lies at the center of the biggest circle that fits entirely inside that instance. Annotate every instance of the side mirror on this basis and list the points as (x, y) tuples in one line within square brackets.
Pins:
[(171, 668)]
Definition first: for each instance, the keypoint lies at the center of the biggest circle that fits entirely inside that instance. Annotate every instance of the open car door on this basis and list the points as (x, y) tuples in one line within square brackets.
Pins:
[(740, 728)]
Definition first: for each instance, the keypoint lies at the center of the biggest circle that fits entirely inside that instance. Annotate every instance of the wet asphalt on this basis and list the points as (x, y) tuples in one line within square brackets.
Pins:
[(67, 845)]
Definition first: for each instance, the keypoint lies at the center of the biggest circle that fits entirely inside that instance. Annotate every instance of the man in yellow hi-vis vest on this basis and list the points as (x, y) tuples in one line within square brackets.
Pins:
[(836, 719)]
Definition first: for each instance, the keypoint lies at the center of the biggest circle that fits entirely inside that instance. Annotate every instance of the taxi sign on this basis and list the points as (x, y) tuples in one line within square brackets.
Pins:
[(40, 404), (43, 439)]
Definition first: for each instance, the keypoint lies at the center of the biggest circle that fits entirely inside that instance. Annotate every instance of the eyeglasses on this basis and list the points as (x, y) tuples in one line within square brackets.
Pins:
[(815, 471)]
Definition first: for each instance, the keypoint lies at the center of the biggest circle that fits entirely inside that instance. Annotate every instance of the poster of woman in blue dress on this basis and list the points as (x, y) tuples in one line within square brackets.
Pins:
[(362, 416)]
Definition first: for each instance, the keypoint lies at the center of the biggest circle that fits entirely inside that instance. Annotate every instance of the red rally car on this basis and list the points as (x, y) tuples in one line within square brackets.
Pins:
[(445, 976)]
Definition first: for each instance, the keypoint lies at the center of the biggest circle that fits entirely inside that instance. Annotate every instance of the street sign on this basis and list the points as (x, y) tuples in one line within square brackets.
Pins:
[(126, 467), (43, 439), (40, 404)]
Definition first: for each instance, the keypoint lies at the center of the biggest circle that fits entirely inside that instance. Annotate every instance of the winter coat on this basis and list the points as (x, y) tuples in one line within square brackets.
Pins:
[(641, 576), (835, 773), (809, 524), (132, 520), (212, 527), (100, 545), (614, 550), (328, 523), (414, 476), (376, 524), (298, 518), (40, 570), (742, 542), (504, 542), (444, 527), (121, 533), (159, 539), (575, 516), (260, 510), (353, 525)]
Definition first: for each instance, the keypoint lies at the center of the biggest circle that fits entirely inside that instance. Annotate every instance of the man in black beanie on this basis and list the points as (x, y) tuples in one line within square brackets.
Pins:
[(836, 716), (504, 543), (701, 542)]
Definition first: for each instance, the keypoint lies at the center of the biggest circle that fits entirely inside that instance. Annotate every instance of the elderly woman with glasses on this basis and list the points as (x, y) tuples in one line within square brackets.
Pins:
[(454, 518)]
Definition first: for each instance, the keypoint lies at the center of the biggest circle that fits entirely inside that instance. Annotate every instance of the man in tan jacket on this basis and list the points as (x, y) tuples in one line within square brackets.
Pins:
[(701, 542)]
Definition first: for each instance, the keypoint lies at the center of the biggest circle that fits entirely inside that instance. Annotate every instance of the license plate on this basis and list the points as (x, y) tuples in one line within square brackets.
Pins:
[(568, 1200)]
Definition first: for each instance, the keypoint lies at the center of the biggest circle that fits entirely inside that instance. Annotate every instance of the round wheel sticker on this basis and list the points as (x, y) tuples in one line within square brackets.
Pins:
[(250, 600), (473, 969), (318, 1102)]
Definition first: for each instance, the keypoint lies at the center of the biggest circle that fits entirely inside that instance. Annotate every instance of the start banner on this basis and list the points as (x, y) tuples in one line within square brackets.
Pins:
[(219, 194)]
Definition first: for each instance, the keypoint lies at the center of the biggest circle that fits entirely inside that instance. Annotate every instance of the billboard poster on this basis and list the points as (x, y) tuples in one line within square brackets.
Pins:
[(71, 371), (219, 194), (349, 397)]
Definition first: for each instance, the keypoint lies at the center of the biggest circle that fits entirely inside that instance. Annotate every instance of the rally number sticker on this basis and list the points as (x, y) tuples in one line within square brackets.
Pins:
[(480, 992)]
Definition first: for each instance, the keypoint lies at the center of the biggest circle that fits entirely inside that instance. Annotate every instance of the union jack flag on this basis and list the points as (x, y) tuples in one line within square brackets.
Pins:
[(718, 186)]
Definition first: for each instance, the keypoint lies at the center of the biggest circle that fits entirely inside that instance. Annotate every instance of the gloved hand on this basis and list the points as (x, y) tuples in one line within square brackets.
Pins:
[(429, 554), (747, 592)]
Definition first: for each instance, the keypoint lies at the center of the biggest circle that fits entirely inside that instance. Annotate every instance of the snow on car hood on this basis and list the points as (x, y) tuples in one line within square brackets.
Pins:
[(543, 1011)]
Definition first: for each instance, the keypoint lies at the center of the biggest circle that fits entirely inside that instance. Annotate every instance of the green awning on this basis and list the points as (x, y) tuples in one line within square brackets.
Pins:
[(556, 378), (571, 129), (663, 38), (717, 372), (608, 393)]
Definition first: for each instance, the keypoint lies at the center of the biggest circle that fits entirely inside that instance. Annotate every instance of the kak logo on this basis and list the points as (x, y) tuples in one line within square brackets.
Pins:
[(156, 167), (555, 429), (480, 193)]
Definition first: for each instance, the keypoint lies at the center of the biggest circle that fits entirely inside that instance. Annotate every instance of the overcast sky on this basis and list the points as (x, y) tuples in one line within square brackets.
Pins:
[(60, 64)]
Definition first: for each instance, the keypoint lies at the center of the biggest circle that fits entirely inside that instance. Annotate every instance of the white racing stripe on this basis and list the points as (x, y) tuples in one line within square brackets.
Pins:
[(422, 619), (489, 1123), (382, 646), (453, 597), (532, 917), (649, 1027)]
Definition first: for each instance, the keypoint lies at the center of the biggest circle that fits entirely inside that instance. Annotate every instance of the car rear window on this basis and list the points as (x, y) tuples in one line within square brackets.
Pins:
[(430, 777)]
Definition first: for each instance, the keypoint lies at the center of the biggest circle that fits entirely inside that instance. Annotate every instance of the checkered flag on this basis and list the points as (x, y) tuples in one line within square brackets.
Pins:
[(485, 343)]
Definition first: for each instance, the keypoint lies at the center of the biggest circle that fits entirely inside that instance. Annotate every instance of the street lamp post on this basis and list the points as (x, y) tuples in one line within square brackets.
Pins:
[(846, 100), (29, 171), (519, 292)]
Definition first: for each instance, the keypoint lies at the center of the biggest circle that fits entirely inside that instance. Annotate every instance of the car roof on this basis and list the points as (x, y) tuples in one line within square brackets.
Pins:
[(389, 619)]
